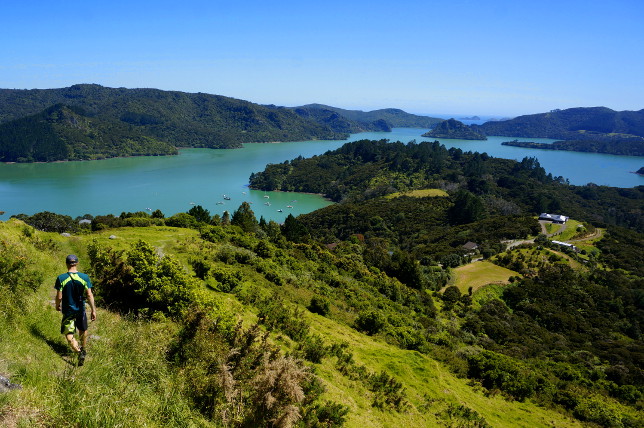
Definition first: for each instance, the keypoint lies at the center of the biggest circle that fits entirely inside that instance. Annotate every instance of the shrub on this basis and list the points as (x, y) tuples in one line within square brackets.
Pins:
[(319, 305), (18, 277), (313, 349), (370, 322), (228, 278), (503, 373), (181, 220), (142, 282)]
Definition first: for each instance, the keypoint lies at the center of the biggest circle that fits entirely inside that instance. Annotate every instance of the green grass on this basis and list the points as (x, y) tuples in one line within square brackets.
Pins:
[(127, 381), (479, 274), (430, 388)]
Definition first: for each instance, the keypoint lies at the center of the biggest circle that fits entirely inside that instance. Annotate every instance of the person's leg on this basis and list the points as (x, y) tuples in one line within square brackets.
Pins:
[(72, 342), (82, 336), (81, 324), (68, 327)]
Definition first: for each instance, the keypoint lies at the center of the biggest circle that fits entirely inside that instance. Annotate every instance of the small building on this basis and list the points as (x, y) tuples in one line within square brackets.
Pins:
[(470, 246), (566, 245), (555, 218), (85, 221)]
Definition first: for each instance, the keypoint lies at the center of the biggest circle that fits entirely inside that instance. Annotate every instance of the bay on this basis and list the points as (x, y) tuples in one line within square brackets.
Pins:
[(203, 176)]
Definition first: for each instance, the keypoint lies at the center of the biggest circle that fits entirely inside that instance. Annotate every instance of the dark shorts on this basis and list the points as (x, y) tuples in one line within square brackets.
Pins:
[(72, 322)]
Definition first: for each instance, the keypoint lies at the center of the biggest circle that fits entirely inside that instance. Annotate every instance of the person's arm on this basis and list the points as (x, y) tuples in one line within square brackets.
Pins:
[(59, 299), (90, 299)]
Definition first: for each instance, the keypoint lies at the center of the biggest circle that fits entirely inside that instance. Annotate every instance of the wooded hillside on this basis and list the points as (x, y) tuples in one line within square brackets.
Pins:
[(588, 125), (177, 118)]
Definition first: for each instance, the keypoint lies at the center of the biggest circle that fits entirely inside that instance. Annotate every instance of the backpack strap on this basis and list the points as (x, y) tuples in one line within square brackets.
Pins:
[(78, 290)]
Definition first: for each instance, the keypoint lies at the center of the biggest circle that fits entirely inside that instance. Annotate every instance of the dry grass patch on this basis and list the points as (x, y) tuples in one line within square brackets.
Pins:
[(423, 193)]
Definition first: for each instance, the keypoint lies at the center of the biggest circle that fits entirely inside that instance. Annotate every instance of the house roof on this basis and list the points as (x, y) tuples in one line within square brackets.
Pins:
[(469, 245)]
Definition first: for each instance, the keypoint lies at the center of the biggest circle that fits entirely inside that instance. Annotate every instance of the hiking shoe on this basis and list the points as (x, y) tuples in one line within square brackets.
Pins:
[(81, 357)]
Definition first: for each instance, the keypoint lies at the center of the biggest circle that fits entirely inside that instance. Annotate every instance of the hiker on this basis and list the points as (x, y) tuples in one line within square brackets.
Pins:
[(72, 287)]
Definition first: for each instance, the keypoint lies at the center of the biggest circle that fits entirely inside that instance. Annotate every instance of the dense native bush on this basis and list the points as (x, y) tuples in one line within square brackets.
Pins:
[(141, 281), (497, 371), (50, 222), (19, 277)]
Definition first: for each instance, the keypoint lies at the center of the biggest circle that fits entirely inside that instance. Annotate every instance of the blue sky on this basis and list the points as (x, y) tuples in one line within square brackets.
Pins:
[(480, 57)]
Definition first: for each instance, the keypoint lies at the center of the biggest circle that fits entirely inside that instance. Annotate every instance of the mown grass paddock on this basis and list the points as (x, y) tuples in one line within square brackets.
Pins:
[(479, 274)]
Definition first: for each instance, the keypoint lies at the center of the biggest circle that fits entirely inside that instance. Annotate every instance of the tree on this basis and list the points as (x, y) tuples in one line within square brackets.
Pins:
[(200, 214), (225, 219), (157, 214), (244, 217), (50, 222), (467, 208), (294, 230)]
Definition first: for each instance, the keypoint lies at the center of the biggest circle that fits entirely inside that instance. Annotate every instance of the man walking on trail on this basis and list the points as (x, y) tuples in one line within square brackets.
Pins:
[(72, 287)]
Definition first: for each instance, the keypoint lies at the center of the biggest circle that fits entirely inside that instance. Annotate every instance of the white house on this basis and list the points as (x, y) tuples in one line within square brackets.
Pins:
[(555, 218)]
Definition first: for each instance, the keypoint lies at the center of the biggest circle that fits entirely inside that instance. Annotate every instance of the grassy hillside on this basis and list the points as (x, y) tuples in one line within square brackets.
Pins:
[(150, 369)]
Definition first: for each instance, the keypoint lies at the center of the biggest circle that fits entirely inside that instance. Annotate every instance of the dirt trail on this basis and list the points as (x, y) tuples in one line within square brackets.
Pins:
[(595, 235)]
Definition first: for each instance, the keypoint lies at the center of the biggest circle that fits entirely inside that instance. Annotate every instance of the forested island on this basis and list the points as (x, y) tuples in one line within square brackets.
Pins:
[(454, 129), (361, 306)]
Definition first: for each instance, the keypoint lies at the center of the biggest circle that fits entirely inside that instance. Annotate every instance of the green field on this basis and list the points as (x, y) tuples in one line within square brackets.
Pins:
[(479, 274)]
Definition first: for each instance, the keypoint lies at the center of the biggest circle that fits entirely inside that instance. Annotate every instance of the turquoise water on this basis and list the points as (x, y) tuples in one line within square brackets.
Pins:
[(202, 176)]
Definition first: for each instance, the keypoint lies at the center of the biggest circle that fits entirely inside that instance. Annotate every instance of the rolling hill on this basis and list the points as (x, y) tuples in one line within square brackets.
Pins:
[(177, 118), (65, 133), (583, 123), (373, 120)]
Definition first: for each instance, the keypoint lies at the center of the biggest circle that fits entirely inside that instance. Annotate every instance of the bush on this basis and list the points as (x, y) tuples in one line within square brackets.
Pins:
[(228, 278), (319, 305), (18, 277), (142, 282), (313, 349), (497, 371), (182, 220), (370, 322)]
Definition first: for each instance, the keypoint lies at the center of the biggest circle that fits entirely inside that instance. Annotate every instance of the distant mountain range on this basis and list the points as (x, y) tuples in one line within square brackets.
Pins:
[(157, 120)]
